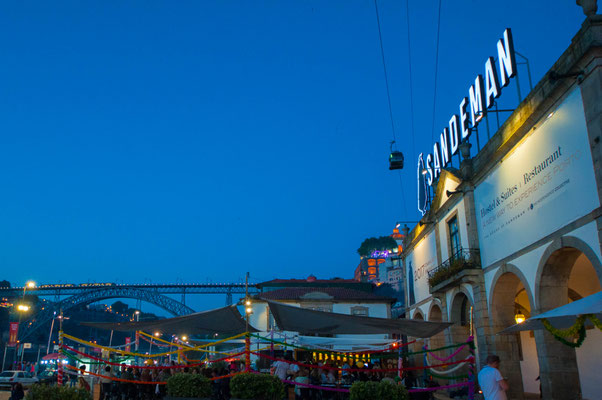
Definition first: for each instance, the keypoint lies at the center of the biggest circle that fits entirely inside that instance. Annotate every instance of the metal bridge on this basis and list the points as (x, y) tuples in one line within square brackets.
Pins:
[(87, 293)]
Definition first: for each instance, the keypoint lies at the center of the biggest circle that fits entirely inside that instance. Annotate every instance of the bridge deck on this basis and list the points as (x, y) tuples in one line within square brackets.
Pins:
[(170, 288)]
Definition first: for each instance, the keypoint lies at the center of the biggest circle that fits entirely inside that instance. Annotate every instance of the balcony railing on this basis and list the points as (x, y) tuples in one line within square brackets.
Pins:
[(461, 260)]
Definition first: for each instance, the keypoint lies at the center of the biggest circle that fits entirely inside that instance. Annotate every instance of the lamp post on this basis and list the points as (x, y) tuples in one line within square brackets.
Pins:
[(21, 308), (248, 312)]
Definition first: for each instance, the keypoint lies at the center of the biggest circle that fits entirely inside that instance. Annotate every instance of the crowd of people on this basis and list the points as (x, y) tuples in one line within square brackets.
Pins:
[(140, 385), (330, 376)]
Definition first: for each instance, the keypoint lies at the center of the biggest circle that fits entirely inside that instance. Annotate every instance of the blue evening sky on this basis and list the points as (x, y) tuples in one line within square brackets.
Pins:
[(192, 141)]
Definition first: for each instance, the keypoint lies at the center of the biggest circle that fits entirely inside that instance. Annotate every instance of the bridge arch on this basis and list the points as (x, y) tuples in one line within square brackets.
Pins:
[(170, 305)]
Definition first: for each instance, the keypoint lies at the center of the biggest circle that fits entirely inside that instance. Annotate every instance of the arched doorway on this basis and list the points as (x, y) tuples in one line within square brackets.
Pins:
[(568, 270), (417, 360), (434, 342), (461, 316), (436, 315), (510, 301)]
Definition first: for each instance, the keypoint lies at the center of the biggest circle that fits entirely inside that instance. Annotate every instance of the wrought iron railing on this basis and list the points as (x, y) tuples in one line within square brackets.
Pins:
[(459, 261)]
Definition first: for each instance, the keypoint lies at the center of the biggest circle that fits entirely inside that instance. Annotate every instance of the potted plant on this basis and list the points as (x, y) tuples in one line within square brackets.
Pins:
[(188, 386), (47, 392), (377, 391), (256, 387)]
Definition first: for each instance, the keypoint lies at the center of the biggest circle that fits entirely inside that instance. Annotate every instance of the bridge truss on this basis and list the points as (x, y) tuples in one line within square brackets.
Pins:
[(85, 294)]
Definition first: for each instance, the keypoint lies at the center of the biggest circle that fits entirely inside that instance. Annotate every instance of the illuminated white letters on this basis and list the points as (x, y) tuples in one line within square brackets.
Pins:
[(429, 169), (506, 58), (454, 138), (464, 119), (443, 139), (481, 96), (477, 101), (436, 160), (492, 86)]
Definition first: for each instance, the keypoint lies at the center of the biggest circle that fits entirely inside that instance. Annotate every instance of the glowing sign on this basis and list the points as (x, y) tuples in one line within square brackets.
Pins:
[(472, 109), (380, 254)]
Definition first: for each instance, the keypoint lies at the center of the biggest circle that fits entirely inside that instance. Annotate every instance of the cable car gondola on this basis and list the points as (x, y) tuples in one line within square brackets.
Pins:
[(396, 160)]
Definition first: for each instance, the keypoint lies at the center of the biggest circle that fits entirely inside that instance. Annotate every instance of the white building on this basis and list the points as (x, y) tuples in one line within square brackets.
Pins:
[(516, 231), (337, 296)]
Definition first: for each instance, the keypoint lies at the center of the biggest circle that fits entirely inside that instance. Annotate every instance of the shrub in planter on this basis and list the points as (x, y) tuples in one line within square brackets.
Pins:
[(192, 386), (377, 391), (46, 392), (256, 387)]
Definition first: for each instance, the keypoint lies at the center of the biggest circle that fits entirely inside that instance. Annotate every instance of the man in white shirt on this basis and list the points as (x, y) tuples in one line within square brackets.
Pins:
[(280, 369), (493, 385)]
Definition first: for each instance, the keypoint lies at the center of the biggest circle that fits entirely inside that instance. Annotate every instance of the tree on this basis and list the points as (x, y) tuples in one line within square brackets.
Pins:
[(380, 243), (4, 283), (120, 307)]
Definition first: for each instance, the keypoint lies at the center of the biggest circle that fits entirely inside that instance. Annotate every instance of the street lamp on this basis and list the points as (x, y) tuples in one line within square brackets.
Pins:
[(23, 307), (137, 316)]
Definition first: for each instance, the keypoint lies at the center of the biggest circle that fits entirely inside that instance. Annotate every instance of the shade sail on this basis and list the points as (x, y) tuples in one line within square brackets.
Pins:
[(564, 316), (306, 321), (51, 356), (226, 320)]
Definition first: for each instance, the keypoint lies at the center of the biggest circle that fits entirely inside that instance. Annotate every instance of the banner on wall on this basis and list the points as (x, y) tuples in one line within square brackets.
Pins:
[(128, 340), (546, 182), (419, 262), (13, 334)]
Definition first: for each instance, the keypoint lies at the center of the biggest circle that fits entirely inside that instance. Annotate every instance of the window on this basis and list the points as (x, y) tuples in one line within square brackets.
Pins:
[(359, 311), (454, 236)]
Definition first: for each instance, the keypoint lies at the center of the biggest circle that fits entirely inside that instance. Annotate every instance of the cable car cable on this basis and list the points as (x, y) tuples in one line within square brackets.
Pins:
[(410, 80), (436, 71), (382, 54)]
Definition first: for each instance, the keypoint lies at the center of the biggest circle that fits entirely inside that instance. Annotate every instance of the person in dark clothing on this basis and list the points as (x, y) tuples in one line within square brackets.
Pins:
[(17, 392)]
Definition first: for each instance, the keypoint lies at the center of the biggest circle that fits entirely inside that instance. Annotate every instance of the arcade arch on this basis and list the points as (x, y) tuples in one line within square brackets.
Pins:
[(436, 315), (461, 308), (510, 298), (569, 269)]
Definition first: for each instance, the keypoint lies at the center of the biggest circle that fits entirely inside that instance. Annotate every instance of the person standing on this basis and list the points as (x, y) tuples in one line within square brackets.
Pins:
[(82, 382), (493, 385), (105, 384), (280, 369)]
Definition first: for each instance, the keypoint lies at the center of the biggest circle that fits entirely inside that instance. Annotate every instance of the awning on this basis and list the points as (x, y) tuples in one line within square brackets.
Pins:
[(226, 320), (304, 321), (564, 316), (51, 356)]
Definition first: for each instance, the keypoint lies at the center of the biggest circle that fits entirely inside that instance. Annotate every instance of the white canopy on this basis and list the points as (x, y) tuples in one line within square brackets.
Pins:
[(563, 316)]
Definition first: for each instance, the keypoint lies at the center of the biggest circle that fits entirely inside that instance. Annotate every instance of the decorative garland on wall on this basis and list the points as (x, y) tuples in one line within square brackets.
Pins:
[(577, 330)]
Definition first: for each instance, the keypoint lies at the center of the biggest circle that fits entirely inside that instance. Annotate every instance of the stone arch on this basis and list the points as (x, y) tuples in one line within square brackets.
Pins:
[(459, 306), (457, 297), (418, 314), (510, 268), (436, 303), (564, 242), (417, 346), (435, 314), (505, 293), (559, 369)]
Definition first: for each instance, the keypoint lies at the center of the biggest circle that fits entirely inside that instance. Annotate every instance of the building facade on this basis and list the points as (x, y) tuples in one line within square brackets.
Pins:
[(342, 296), (516, 229)]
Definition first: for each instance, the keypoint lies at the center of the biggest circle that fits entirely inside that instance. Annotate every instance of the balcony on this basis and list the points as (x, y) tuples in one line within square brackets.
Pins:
[(452, 271)]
